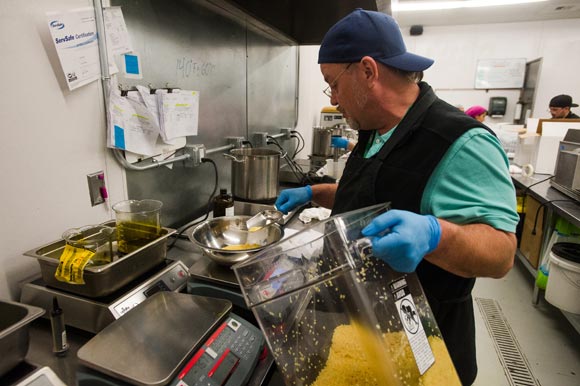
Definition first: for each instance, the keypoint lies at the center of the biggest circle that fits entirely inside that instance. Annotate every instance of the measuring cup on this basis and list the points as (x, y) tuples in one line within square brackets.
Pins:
[(138, 223), (263, 219), (95, 238)]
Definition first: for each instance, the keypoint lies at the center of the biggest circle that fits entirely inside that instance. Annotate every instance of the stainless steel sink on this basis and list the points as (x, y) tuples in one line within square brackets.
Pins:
[(15, 319)]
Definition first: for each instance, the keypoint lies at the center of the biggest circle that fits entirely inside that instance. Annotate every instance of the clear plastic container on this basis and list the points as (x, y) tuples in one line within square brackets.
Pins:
[(138, 223), (332, 314)]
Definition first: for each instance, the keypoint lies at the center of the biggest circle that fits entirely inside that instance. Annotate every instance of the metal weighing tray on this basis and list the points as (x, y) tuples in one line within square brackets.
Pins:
[(102, 280), (151, 343)]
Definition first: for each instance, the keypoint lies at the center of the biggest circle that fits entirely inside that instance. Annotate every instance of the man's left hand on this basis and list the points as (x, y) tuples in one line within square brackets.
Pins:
[(403, 238)]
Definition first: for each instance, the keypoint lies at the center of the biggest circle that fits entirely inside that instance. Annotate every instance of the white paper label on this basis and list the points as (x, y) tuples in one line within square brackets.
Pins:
[(412, 325)]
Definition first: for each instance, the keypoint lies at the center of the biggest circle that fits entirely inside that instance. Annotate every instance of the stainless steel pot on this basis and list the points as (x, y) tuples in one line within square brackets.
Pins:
[(321, 141), (255, 174)]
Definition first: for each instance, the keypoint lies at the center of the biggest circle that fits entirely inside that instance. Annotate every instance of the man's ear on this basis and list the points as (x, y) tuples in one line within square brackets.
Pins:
[(370, 69)]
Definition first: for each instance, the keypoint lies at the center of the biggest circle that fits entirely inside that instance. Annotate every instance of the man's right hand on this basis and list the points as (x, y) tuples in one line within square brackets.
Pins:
[(290, 199)]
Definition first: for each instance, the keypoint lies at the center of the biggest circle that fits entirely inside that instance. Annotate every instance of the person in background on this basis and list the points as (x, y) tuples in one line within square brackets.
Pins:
[(560, 107), (446, 176), (477, 112), (460, 107)]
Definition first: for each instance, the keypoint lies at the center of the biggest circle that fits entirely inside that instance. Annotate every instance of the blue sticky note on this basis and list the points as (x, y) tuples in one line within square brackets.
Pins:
[(119, 137), (131, 64)]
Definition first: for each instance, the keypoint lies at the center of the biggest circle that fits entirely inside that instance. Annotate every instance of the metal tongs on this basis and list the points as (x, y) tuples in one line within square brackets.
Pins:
[(263, 219)]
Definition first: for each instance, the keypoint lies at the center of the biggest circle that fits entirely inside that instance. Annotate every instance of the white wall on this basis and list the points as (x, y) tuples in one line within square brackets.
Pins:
[(456, 50), (52, 139)]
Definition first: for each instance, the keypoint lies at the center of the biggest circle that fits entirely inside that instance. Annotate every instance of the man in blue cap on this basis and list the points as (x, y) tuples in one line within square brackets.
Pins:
[(445, 174)]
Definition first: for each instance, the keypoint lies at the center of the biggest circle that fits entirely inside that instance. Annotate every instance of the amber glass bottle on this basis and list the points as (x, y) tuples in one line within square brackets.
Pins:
[(223, 204)]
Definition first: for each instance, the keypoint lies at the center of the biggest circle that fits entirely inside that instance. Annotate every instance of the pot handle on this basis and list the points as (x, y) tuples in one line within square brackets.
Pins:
[(233, 158)]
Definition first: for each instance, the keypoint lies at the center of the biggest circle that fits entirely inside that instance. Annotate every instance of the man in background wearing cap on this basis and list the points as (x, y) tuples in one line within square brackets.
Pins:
[(560, 107), (445, 174)]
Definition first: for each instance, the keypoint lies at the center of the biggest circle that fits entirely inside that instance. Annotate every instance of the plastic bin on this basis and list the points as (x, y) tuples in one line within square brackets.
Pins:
[(563, 288), (332, 314)]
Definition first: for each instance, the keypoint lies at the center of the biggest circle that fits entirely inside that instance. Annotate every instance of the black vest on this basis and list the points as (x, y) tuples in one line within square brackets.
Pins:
[(399, 174)]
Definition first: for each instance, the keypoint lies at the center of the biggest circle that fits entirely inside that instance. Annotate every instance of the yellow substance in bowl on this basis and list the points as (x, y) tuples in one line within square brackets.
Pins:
[(240, 247), (348, 364)]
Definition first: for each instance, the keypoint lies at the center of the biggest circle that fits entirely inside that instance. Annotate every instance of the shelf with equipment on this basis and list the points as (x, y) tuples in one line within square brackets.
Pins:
[(556, 205)]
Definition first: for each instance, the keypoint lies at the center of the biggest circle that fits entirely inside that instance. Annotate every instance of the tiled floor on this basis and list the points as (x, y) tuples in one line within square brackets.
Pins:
[(546, 338)]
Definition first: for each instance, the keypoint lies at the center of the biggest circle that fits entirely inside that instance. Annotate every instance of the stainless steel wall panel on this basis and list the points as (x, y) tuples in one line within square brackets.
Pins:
[(246, 79)]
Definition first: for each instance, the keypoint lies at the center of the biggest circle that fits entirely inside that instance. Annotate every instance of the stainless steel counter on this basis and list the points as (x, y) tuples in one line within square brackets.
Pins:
[(66, 367), (557, 204), (561, 204), (40, 350)]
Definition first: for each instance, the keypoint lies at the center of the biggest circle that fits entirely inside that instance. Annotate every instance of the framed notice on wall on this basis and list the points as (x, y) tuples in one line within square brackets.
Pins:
[(500, 73)]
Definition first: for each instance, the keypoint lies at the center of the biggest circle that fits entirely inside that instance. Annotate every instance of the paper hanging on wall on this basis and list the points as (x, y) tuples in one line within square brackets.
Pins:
[(130, 125), (151, 102), (178, 113), (118, 41), (74, 35)]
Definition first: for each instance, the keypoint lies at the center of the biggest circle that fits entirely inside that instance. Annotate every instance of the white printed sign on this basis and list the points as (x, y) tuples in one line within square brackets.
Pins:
[(412, 325)]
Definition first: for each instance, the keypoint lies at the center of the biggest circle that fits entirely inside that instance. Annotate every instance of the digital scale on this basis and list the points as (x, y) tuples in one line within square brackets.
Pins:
[(93, 315), (198, 341)]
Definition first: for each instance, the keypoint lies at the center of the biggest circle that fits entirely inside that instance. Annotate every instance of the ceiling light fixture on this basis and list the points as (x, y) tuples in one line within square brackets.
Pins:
[(440, 5)]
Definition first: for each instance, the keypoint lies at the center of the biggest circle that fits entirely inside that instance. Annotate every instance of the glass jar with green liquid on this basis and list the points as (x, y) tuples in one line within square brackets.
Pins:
[(138, 223)]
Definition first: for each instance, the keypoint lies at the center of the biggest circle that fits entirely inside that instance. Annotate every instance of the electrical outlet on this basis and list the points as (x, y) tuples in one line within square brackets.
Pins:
[(260, 139), (287, 131), (96, 187)]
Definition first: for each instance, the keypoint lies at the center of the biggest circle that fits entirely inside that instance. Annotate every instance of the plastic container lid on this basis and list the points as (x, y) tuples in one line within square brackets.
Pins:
[(567, 251)]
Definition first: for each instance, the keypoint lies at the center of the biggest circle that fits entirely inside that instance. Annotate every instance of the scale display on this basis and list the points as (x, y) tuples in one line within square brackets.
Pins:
[(227, 358)]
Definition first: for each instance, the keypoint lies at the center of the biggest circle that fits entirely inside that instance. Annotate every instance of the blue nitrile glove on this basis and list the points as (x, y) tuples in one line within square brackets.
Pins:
[(407, 238), (292, 198), (339, 142)]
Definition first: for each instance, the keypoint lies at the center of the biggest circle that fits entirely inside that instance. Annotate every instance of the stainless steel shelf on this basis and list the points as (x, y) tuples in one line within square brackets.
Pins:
[(533, 271), (574, 320), (564, 207)]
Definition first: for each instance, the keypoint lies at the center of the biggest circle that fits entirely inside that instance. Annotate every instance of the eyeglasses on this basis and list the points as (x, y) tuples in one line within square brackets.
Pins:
[(328, 90)]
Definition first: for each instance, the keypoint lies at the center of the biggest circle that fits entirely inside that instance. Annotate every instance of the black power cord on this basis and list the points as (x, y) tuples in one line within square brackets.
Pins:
[(208, 207), (294, 167), (301, 141), (527, 189), (543, 205)]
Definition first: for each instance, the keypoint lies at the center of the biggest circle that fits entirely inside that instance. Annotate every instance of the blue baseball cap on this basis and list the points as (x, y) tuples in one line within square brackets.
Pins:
[(368, 33)]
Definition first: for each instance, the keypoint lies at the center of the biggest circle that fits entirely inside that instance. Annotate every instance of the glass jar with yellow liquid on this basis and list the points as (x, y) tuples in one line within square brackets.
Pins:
[(138, 223)]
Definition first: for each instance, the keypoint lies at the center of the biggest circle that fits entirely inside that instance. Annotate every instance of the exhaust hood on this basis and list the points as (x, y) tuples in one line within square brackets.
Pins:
[(303, 22)]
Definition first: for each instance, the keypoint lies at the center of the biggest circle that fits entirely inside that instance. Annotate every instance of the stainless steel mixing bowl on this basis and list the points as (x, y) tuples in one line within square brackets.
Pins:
[(212, 236)]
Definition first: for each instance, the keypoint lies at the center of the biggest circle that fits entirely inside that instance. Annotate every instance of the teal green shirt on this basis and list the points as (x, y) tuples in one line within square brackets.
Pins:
[(486, 196)]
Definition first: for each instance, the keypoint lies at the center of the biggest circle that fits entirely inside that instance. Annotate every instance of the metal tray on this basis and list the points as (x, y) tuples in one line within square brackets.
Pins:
[(102, 280), (159, 335), (14, 338)]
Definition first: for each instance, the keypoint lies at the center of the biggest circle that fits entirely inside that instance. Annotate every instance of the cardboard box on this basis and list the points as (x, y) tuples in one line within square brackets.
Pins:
[(531, 244)]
